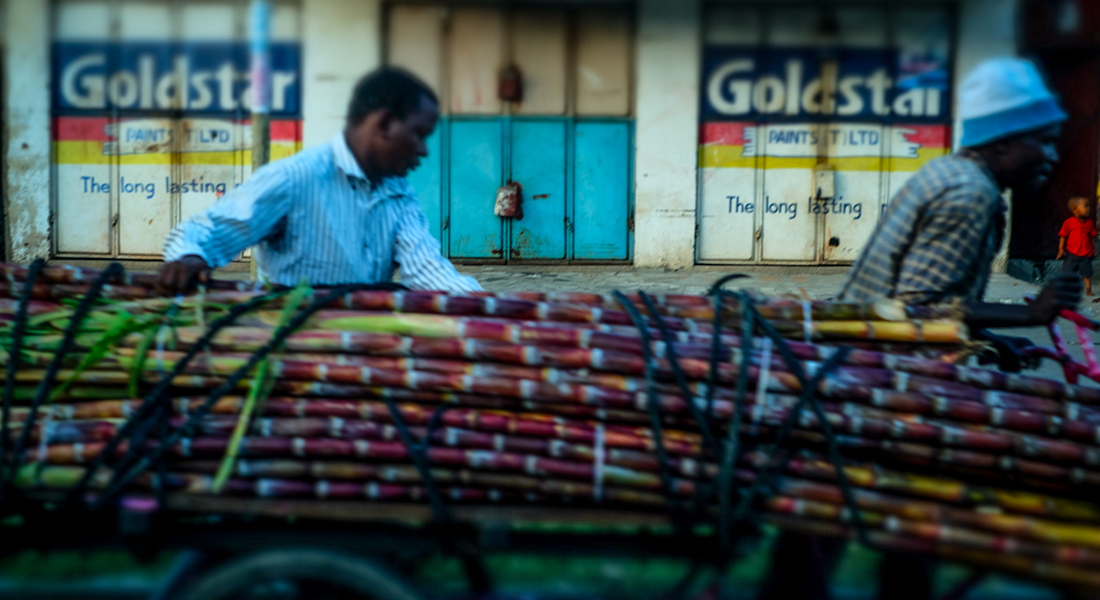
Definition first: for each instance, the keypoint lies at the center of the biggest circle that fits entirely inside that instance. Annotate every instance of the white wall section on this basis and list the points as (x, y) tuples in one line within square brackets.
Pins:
[(667, 121), (341, 41), (26, 126)]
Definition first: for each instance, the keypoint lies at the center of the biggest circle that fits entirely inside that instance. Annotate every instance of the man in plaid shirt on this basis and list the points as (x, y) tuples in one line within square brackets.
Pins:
[(939, 235), (936, 243)]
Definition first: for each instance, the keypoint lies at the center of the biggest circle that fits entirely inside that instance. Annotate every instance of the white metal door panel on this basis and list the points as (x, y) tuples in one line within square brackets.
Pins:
[(729, 212), (476, 57), (145, 148), (539, 50), (856, 151), (788, 231), (82, 20), (728, 215), (729, 207), (603, 62), (144, 153), (83, 181), (790, 150)]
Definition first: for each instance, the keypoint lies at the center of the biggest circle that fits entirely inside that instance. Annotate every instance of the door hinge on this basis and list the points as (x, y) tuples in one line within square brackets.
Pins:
[(568, 225), (446, 223), (630, 224)]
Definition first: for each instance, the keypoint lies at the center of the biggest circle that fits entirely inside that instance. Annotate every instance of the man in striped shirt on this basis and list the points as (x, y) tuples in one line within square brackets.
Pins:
[(339, 213)]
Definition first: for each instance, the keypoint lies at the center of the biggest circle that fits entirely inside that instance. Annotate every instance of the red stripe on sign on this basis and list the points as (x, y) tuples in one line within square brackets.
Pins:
[(723, 134), (928, 136), (286, 131), (94, 129), (80, 129)]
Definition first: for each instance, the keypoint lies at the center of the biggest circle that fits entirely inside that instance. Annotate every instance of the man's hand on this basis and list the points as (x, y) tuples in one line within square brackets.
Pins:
[(1061, 293), (1061, 253), (1005, 350), (183, 275)]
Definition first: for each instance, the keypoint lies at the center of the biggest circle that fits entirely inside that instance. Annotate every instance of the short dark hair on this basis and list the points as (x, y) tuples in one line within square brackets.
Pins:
[(390, 88)]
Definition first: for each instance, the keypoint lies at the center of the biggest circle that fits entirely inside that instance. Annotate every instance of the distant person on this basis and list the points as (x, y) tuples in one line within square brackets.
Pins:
[(342, 212), (1077, 238)]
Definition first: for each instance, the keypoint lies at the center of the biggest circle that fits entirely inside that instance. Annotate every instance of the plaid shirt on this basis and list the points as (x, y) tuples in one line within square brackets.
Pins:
[(938, 238)]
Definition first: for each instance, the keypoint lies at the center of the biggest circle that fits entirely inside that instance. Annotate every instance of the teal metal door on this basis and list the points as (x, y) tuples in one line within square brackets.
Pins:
[(602, 174), (476, 161), (564, 133), (538, 151), (575, 179)]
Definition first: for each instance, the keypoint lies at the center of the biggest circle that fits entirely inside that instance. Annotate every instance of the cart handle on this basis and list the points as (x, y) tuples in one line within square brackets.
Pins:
[(1071, 368)]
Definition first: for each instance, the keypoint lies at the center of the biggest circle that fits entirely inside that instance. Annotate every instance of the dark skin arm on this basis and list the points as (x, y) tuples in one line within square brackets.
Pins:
[(1061, 293), (183, 276)]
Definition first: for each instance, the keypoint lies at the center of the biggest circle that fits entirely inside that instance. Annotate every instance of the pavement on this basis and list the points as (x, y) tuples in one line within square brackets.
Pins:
[(819, 283)]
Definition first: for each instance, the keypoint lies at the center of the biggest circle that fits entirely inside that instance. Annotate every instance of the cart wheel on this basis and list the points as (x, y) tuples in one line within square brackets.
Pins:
[(297, 575)]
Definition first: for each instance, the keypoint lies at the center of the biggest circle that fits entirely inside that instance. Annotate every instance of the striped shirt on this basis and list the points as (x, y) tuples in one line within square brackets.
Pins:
[(937, 239), (316, 217)]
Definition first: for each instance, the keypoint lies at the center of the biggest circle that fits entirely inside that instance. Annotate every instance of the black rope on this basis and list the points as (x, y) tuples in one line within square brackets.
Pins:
[(654, 410), (809, 396), (67, 340), (703, 490), (678, 374), (733, 441), (127, 473), (18, 329), (477, 572), (135, 429)]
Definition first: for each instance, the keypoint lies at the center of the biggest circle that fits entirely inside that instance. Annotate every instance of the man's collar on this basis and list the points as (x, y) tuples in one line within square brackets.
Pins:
[(973, 155), (344, 159)]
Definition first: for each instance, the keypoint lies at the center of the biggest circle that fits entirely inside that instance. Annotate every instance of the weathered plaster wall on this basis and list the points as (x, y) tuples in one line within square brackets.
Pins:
[(26, 130), (341, 41), (667, 108)]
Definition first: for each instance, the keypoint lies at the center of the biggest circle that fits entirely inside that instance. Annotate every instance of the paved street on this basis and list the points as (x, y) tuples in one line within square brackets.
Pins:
[(816, 283)]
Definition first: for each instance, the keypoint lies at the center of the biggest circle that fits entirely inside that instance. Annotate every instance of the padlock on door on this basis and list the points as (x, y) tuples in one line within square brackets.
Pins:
[(509, 201)]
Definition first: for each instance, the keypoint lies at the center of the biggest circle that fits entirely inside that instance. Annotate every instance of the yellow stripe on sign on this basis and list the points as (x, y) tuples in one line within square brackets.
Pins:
[(912, 164), (79, 153), (91, 153), (731, 157), (725, 156)]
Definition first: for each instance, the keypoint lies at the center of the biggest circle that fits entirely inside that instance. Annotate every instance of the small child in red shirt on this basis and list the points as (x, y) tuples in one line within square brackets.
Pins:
[(1077, 235)]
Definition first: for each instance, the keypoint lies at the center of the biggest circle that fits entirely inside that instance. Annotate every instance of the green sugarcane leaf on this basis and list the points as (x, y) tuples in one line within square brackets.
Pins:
[(46, 318), (137, 368), (395, 324), (121, 325), (258, 390)]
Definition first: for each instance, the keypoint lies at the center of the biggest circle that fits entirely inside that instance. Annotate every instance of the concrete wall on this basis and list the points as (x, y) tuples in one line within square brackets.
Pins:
[(667, 112), (341, 41), (26, 130)]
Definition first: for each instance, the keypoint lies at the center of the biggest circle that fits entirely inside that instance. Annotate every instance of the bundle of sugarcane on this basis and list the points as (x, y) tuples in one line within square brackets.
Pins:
[(626, 402)]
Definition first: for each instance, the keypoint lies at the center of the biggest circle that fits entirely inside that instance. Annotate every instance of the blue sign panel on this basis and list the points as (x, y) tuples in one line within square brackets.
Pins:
[(751, 82), (193, 77)]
